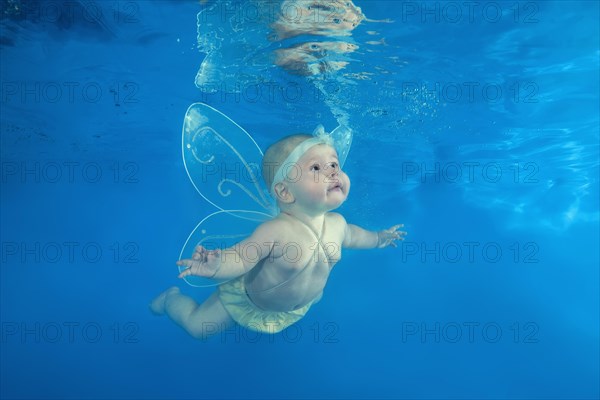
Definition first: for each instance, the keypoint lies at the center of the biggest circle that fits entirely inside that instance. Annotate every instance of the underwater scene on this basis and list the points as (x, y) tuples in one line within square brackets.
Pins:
[(299, 199)]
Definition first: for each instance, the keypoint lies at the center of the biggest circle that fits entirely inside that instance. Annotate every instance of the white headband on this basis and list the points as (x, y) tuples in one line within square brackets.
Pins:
[(292, 159), (340, 139)]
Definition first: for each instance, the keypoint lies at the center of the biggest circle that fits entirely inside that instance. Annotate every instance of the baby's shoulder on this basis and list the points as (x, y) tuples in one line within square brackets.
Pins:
[(336, 219), (276, 226)]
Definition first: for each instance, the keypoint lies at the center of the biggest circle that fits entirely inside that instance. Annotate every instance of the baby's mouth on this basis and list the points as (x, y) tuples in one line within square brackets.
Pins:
[(335, 186)]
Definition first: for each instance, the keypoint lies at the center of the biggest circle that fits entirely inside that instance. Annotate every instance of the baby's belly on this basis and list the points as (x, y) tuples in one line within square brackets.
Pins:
[(271, 291)]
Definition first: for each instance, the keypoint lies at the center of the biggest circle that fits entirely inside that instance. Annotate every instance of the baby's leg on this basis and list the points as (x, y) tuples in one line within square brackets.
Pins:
[(199, 320)]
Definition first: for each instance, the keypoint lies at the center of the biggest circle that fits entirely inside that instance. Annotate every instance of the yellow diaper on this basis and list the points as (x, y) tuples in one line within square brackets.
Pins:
[(239, 306)]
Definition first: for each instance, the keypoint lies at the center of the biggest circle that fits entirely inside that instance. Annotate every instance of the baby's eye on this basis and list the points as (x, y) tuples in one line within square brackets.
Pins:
[(315, 167), (333, 165)]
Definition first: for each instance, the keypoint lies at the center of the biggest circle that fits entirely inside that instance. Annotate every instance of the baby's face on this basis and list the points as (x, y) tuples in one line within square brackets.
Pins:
[(319, 184)]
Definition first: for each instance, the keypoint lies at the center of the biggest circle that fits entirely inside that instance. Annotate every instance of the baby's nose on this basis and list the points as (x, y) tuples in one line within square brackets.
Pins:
[(333, 171)]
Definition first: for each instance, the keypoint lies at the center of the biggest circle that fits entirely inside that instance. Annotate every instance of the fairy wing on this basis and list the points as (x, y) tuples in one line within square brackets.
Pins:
[(223, 161), (340, 138), (219, 230)]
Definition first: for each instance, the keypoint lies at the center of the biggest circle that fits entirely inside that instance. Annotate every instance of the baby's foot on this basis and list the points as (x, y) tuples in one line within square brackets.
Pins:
[(158, 304)]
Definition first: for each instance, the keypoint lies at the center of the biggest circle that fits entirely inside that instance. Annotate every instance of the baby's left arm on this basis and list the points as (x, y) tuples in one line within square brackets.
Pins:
[(359, 238)]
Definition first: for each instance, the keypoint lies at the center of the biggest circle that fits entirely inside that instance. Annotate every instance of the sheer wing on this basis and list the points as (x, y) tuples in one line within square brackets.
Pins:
[(219, 230), (340, 138), (223, 161)]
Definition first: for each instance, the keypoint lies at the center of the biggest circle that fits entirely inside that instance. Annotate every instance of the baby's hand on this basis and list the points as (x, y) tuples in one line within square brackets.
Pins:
[(386, 237), (204, 263)]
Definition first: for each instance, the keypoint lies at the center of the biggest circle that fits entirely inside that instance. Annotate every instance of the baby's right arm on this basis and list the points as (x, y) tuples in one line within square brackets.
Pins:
[(234, 261)]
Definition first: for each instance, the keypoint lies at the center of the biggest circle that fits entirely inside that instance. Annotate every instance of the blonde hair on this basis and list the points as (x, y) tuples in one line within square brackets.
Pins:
[(277, 153)]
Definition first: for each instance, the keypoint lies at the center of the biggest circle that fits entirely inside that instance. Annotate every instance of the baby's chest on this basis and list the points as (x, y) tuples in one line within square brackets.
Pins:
[(301, 253)]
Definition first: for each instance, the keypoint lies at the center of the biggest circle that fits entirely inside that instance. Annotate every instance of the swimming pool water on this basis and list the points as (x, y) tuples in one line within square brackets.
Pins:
[(475, 124)]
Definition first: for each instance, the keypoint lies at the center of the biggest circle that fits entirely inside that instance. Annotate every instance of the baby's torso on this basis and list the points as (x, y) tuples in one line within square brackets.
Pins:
[(296, 271)]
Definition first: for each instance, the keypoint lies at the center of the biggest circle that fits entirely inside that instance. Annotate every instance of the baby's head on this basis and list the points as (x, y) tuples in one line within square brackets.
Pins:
[(304, 170), (277, 153)]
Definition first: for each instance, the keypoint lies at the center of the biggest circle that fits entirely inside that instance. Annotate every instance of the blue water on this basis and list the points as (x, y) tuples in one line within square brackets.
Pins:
[(475, 125)]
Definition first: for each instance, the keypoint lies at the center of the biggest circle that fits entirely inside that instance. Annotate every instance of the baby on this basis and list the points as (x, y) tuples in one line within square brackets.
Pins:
[(274, 276)]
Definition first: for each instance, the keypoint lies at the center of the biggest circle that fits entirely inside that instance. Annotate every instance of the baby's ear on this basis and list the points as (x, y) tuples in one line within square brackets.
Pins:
[(283, 194)]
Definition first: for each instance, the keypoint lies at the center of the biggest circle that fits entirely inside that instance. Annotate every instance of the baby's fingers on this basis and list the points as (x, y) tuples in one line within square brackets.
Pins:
[(185, 263), (184, 273), (396, 227), (199, 252), (399, 234)]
